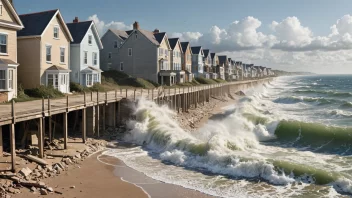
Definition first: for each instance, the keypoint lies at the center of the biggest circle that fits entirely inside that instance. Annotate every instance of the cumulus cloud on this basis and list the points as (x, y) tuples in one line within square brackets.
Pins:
[(103, 27)]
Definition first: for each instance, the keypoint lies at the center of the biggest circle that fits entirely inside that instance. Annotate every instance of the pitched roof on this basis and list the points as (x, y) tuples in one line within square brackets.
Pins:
[(160, 36), (222, 59), (7, 62), (212, 55), (19, 24), (35, 23), (206, 52), (120, 33), (79, 30), (184, 46), (196, 50), (57, 68), (173, 42)]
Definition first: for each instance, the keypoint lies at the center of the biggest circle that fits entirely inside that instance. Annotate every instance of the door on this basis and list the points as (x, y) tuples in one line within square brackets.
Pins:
[(64, 83)]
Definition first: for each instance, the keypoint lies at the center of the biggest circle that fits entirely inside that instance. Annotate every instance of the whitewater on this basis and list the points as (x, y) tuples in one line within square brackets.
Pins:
[(290, 137)]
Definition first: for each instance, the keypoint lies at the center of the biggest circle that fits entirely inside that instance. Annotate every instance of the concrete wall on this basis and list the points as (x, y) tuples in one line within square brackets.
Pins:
[(143, 62), (108, 42)]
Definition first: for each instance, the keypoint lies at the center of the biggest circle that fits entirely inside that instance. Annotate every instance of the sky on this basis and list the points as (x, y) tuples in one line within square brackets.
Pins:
[(299, 35)]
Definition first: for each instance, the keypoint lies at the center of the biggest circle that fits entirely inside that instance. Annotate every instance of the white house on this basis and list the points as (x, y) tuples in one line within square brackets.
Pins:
[(85, 53)]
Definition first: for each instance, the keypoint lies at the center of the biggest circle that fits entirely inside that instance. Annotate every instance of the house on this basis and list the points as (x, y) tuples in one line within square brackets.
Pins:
[(43, 51), (9, 25), (207, 63), (176, 60), (223, 62), (112, 41), (197, 61), (270, 73), (217, 68), (230, 68), (186, 59), (85, 53), (259, 71), (146, 54)]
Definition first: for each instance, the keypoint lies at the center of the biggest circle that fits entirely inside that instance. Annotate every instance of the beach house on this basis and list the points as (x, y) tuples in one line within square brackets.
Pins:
[(146, 54), (176, 59), (112, 41), (217, 68), (207, 63), (85, 53), (10, 23), (197, 61), (186, 58), (43, 51), (223, 62)]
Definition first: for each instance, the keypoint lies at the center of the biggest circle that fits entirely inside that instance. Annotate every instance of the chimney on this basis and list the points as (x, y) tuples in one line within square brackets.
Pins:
[(135, 25), (156, 31), (76, 20)]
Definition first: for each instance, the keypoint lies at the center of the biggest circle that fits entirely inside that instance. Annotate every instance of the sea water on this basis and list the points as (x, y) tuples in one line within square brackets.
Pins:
[(290, 137)]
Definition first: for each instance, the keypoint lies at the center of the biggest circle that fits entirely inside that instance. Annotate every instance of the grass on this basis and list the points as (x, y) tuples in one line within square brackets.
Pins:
[(207, 81), (123, 80), (43, 91)]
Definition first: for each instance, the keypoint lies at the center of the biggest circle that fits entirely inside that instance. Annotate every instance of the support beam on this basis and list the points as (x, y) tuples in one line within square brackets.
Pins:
[(1, 142), (12, 138), (65, 125), (84, 119), (50, 121), (40, 138)]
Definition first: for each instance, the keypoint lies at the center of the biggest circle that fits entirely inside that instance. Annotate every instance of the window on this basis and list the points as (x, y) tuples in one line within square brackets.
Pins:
[(89, 79), (63, 79), (95, 58), (85, 61), (48, 53), (2, 79), (136, 35), (161, 51), (95, 78), (62, 55), (129, 51), (90, 38), (116, 44), (109, 55), (166, 52), (53, 80), (10, 79), (56, 32), (3, 43), (121, 66)]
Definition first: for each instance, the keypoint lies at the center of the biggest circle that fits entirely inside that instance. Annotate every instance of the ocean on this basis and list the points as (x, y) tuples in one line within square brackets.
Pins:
[(290, 137)]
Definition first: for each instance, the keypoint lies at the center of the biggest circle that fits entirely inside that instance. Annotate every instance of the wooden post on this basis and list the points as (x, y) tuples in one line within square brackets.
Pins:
[(119, 111), (134, 95), (169, 99), (65, 125), (142, 93), (91, 96), (148, 95), (50, 121), (153, 94), (84, 119), (12, 137), (175, 101), (126, 93), (104, 112), (97, 117)]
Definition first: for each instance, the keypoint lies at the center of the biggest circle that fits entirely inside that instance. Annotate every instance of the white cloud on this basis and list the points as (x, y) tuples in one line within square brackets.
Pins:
[(103, 27)]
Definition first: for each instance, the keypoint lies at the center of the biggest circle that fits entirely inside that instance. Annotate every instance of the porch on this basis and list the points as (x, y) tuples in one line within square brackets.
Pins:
[(167, 77), (58, 77), (8, 79), (180, 76), (90, 76)]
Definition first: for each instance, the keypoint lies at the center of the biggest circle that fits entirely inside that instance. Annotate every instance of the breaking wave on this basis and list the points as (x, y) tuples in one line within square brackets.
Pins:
[(295, 99), (328, 93)]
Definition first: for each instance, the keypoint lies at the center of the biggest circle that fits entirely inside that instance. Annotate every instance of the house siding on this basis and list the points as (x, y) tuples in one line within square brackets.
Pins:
[(108, 42), (197, 64), (6, 13), (143, 62), (29, 60)]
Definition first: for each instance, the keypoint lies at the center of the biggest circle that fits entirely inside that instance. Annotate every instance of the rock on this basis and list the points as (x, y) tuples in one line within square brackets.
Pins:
[(43, 191), (34, 189), (49, 157), (39, 168), (14, 190), (73, 187), (50, 189), (25, 171)]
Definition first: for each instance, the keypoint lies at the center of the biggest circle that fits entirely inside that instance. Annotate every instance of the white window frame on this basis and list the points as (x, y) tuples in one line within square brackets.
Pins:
[(130, 52), (85, 57), (63, 55), (55, 77), (46, 53), (58, 32), (95, 58), (10, 78), (89, 80), (121, 66), (6, 44), (90, 39)]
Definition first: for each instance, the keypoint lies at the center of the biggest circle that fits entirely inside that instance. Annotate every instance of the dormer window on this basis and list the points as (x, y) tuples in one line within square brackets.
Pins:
[(56, 32), (90, 39)]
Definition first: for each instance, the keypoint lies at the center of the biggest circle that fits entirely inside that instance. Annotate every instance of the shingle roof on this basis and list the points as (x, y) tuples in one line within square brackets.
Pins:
[(78, 30), (173, 42), (196, 50), (120, 33), (35, 23), (212, 55), (57, 68), (206, 52), (184, 46), (222, 59), (154, 38), (7, 61), (159, 36), (129, 32)]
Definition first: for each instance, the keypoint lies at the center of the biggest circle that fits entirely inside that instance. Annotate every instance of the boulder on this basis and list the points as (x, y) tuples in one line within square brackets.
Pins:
[(25, 171), (43, 191)]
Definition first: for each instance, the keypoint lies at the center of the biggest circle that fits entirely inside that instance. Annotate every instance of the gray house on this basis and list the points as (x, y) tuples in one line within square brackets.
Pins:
[(111, 40), (146, 54), (197, 61)]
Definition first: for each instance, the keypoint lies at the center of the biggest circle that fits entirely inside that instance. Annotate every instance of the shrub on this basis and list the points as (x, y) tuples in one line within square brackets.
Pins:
[(76, 87), (44, 91), (202, 80)]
